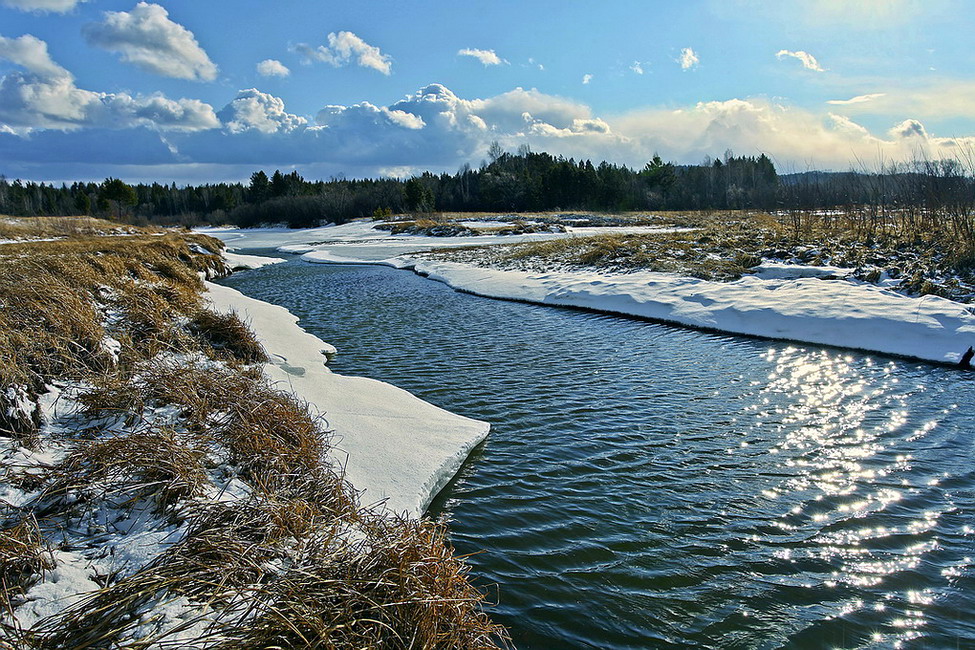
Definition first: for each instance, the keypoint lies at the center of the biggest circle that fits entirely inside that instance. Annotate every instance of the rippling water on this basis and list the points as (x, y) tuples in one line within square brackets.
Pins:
[(646, 486)]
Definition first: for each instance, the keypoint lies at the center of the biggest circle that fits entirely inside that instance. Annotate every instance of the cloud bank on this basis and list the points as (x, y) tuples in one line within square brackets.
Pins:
[(147, 38), (45, 96), (45, 118)]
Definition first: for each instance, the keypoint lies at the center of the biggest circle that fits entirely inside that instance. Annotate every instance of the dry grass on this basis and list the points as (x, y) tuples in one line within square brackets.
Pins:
[(58, 296), (296, 563), (405, 590), (157, 465), (23, 555), (228, 333), (49, 227), (269, 435), (723, 246)]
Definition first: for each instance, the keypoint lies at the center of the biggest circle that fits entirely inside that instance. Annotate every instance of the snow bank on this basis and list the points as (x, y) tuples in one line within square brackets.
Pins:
[(393, 445), (236, 261), (829, 312), (783, 301), (360, 240)]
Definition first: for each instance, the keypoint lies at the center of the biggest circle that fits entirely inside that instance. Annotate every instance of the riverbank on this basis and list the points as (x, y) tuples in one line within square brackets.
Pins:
[(784, 305), (160, 488), (395, 449), (737, 291)]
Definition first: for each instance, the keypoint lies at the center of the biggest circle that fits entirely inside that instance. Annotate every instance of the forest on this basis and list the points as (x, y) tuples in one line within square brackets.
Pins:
[(523, 181)]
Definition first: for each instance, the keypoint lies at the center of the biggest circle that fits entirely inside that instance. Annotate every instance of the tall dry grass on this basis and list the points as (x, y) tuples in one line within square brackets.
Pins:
[(292, 561)]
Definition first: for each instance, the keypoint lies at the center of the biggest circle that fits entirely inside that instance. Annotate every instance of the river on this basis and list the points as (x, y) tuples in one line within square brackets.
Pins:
[(646, 486)]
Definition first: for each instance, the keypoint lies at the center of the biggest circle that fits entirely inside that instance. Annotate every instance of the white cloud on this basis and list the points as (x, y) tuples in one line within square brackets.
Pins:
[(52, 6), (46, 97), (343, 48), (364, 113), (859, 99), (586, 79), (808, 61), (28, 101), (147, 38), (434, 129), (637, 67), (909, 129), (254, 110), (486, 57), (796, 139), (31, 53), (688, 59), (272, 68)]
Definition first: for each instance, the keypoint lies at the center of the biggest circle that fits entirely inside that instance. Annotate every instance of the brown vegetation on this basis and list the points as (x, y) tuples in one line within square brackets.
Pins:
[(927, 255), (290, 559)]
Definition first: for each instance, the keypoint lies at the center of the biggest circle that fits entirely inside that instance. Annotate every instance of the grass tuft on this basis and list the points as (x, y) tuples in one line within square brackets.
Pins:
[(23, 555), (159, 465), (228, 333)]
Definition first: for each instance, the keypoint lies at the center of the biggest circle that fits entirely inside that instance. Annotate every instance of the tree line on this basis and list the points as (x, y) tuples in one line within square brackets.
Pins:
[(522, 181)]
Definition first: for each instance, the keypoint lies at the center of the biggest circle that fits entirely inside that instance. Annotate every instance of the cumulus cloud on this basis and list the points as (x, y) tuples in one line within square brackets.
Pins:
[(272, 68), (909, 129), (146, 37), (436, 129), (257, 111), (31, 53), (586, 79), (52, 6), (688, 59), (344, 48), (859, 99), (637, 67), (796, 139), (46, 97), (808, 61), (487, 57), (28, 101)]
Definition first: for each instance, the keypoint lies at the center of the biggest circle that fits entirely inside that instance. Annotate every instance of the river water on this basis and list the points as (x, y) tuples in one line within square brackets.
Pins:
[(647, 486)]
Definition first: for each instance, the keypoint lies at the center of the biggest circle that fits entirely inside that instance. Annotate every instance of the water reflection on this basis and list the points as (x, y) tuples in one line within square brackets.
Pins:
[(841, 431)]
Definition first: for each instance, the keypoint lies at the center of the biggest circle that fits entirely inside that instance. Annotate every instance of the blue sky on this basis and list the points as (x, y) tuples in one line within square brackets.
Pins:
[(196, 91)]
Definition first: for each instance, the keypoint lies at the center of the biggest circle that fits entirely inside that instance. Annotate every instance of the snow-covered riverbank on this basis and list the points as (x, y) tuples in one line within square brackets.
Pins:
[(804, 309), (394, 446), (781, 301)]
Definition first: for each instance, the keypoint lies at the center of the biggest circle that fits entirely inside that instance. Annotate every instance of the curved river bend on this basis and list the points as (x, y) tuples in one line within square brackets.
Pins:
[(646, 486)]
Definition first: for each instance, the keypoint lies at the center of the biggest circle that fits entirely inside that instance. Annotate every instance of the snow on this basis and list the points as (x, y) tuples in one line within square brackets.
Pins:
[(783, 301), (21, 406), (828, 312), (112, 347), (781, 271), (395, 447), (361, 241), (68, 582), (238, 262)]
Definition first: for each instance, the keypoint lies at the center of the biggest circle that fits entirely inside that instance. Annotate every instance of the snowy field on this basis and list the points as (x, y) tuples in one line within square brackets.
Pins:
[(792, 302)]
